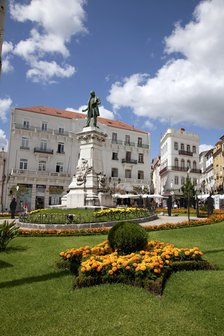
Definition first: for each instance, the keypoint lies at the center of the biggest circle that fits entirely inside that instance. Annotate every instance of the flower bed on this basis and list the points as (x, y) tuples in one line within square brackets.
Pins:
[(73, 216), (104, 230), (148, 268)]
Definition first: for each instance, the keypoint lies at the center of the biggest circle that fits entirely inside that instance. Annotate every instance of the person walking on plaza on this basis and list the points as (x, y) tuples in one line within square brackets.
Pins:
[(210, 205), (169, 205), (12, 206)]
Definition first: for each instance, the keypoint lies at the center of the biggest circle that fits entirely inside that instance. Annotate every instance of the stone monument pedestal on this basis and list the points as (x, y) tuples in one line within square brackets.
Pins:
[(88, 187)]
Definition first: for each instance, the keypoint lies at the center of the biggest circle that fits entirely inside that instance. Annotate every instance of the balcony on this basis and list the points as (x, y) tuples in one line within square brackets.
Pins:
[(140, 145), (24, 127), (115, 141), (65, 133), (43, 150), (24, 147), (176, 168), (210, 167), (194, 170), (128, 143), (129, 161), (180, 169), (183, 152), (36, 173)]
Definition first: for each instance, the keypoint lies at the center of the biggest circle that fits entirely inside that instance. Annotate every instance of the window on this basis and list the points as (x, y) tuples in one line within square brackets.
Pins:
[(176, 145), (128, 156), (182, 146), (140, 175), (60, 147), (23, 164), (26, 124), (194, 149), (176, 163), (114, 172), (59, 167), (114, 156), (194, 165), (61, 130), (176, 180), (188, 164), (141, 158), (188, 148), (44, 126), (114, 137), (127, 173), (25, 142), (43, 145), (127, 139), (182, 180), (182, 164), (42, 166), (139, 142), (54, 200)]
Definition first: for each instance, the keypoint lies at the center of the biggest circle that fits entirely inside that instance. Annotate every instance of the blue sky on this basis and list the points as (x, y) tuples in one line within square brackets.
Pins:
[(154, 63)]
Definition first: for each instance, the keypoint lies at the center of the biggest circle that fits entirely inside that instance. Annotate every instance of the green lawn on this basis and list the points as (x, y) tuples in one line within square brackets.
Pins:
[(37, 299)]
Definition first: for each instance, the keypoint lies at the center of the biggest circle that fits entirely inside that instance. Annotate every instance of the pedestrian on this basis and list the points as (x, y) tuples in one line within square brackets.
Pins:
[(210, 205), (169, 205), (12, 206)]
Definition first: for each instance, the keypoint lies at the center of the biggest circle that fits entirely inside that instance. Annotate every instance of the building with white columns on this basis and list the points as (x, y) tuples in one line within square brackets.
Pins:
[(44, 151), (179, 156)]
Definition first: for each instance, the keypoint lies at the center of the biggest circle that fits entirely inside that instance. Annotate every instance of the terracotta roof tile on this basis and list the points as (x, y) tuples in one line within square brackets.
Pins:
[(52, 111)]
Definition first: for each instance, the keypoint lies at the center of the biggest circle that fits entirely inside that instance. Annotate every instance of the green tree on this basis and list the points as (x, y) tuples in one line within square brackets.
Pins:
[(188, 193)]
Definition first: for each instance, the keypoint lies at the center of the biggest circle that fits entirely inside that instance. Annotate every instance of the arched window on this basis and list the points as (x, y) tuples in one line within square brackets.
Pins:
[(188, 148), (188, 164), (182, 164), (176, 163)]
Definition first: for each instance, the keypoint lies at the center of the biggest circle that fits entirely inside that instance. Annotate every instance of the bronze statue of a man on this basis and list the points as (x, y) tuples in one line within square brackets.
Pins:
[(92, 109)]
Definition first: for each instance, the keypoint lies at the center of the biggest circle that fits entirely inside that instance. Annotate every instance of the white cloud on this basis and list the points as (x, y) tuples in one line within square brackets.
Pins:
[(53, 26), (7, 50), (7, 47), (204, 147), (104, 113), (46, 71), (3, 140), (5, 105), (188, 88)]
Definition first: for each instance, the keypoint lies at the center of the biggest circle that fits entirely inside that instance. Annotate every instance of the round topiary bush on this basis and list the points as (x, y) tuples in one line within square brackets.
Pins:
[(127, 237)]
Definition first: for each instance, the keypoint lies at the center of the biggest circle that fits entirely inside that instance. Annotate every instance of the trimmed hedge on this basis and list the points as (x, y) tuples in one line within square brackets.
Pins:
[(127, 237)]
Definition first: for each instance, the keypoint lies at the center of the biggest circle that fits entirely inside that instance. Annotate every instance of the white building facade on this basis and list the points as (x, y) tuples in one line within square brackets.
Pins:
[(179, 156), (44, 151)]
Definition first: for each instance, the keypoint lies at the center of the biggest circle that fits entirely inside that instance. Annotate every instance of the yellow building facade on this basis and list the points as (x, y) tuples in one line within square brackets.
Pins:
[(218, 166)]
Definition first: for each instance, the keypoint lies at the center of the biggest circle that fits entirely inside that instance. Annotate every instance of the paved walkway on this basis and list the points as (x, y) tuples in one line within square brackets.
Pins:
[(168, 219), (161, 220)]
